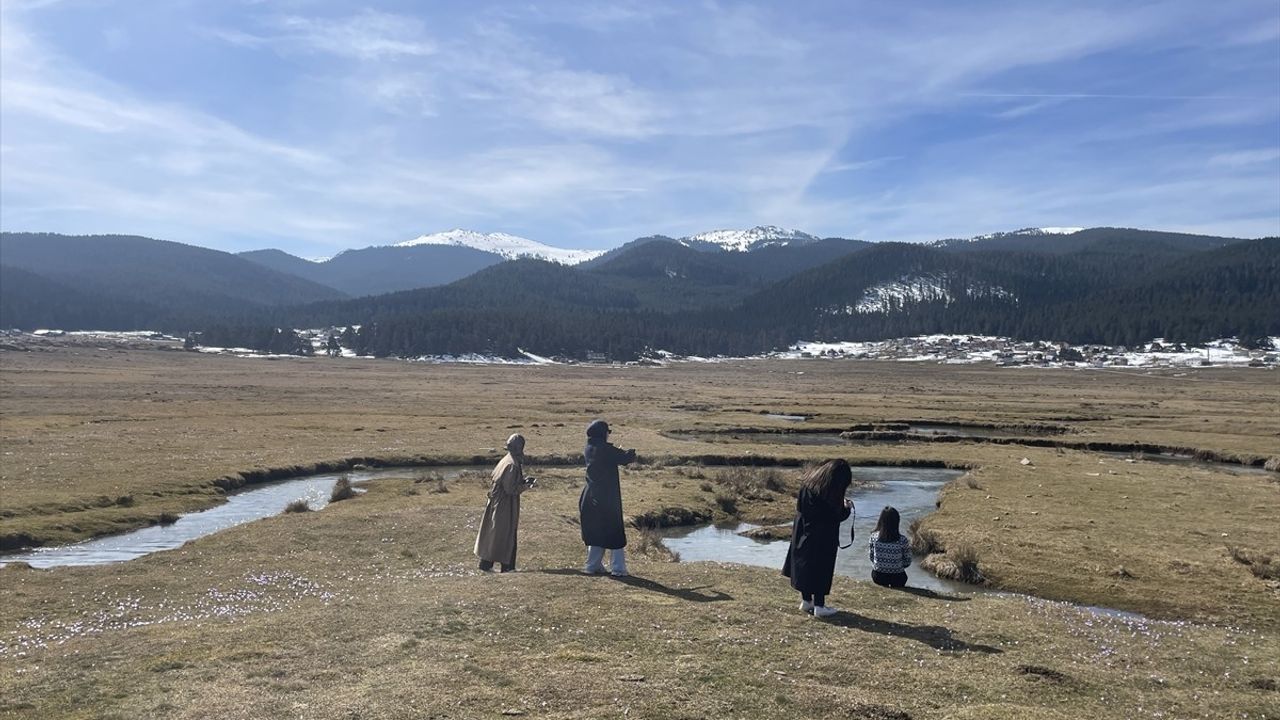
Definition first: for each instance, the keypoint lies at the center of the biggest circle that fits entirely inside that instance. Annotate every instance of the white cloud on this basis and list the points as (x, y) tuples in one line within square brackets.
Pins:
[(630, 118), (1245, 157), (369, 35)]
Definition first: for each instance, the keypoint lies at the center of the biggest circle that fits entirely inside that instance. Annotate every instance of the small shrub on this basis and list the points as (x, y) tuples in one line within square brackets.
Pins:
[(649, 543), (923, 540), (769, 533), (168, 518), (959, 562), (342, 490), (965, 557), (971, 482), (1273, 464), (1264, 566), (479, 477), (297, 506), (125, 501), (749, 483), (670, 517), (435, 480), (706, 487), (409, 491), (728, 503)]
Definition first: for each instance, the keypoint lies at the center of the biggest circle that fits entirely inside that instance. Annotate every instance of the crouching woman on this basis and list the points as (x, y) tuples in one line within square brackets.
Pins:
[(496, 541), (889, 551), (815, 535)]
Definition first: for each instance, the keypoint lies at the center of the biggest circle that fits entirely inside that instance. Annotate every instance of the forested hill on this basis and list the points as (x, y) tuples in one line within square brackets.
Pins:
[(130, 282), (1096, 286), (884, 290)]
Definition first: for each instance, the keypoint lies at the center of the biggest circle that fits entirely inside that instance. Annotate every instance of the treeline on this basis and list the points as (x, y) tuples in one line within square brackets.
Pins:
[(1117, 293)]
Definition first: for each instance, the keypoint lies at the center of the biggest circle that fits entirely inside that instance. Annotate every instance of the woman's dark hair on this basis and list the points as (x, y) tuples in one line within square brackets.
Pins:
[(598, 429), (887, 525), (830, 481)]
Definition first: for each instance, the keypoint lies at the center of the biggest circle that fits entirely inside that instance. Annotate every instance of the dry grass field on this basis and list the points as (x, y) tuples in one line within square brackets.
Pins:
[(373, 606)]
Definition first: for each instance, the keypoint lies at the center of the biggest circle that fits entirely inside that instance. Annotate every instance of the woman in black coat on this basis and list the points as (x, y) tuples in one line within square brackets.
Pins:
[(600, 506), (815, 536)]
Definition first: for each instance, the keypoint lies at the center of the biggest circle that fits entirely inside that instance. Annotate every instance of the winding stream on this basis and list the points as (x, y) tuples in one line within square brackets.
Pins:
[(913, 491), (246, 505)]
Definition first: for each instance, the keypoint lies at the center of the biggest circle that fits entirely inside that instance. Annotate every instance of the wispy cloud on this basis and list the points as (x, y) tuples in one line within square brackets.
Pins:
[(369, 35), (1245, 157), (314, 127)]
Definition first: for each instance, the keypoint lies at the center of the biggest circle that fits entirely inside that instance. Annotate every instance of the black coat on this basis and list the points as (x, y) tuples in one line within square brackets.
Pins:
[(600, 506), (815, 538)]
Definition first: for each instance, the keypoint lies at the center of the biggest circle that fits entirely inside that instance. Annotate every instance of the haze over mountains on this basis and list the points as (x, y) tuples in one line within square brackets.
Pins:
[(721, 292)]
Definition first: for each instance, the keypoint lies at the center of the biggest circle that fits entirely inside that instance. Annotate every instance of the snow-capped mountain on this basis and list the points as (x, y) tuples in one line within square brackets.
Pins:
[(746, 240), (914, 289), (1024, 232), (507, 246)]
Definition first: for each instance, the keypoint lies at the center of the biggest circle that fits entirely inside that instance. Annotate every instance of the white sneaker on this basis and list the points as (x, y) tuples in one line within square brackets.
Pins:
[(822, 611), (806, 606), (596, 570), (619, 573)]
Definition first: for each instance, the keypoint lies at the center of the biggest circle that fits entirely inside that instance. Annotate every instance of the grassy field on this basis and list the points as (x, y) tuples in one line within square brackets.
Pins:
[(373, 607)]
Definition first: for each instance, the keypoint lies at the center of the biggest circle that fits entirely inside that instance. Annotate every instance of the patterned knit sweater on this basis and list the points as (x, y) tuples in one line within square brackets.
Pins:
[(889, 557)]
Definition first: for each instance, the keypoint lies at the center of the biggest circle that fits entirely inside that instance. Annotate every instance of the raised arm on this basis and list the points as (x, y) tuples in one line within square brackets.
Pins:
[(623, 457)]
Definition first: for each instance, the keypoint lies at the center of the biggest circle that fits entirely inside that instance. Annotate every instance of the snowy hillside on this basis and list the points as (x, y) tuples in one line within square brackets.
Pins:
[(745, 240), (508, 246), (912, 290), (1024, 232)]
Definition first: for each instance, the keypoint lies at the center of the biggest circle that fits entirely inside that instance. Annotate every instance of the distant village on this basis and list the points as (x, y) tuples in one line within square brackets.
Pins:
[(1005, 352), (942, 349)]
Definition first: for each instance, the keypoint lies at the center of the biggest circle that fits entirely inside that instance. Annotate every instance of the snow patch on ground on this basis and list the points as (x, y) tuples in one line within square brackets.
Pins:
[(915, 289)]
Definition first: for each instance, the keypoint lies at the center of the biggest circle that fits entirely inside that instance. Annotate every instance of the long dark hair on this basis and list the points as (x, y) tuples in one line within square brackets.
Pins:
[(887, 525), (830, 481)]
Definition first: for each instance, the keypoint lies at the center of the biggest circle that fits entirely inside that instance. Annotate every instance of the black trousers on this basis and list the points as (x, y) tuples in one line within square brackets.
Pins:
[(894, 580), (819, 600)]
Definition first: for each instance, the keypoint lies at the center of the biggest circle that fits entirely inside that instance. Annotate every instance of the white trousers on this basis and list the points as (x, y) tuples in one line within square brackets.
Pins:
[(617, 560)]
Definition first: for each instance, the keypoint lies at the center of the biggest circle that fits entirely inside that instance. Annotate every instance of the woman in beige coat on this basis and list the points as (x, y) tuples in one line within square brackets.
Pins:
[(496, 542)]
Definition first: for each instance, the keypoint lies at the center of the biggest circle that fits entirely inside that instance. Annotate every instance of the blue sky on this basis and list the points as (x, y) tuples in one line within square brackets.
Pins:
[(318, 126)]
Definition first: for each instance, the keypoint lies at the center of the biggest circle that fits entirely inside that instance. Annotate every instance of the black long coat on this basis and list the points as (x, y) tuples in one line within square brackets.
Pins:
[(600, 506), (815, 538)]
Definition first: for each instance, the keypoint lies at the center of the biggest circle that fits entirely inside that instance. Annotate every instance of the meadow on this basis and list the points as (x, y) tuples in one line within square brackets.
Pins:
[(373, 607)]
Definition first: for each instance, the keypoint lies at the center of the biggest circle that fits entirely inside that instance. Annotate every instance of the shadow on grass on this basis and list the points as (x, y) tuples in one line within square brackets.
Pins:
[(932, 595), (935, 636), (687, 594)]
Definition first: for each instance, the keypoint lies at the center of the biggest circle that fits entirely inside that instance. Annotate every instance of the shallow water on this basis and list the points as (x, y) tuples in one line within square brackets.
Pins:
[(913, 491), (962, 430), (251, 503), (774, 438), (1189, 461)]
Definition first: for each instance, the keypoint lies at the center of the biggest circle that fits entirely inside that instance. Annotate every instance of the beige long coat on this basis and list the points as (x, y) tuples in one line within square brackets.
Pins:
[(496, 541)]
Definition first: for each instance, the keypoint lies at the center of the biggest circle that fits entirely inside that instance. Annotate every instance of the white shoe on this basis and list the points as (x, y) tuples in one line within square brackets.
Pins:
[(822, 611), (596, 570), (619, 573), (806, 606)]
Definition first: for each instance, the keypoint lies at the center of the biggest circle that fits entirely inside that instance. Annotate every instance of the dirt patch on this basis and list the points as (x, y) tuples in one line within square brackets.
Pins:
[(1039, 672)]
